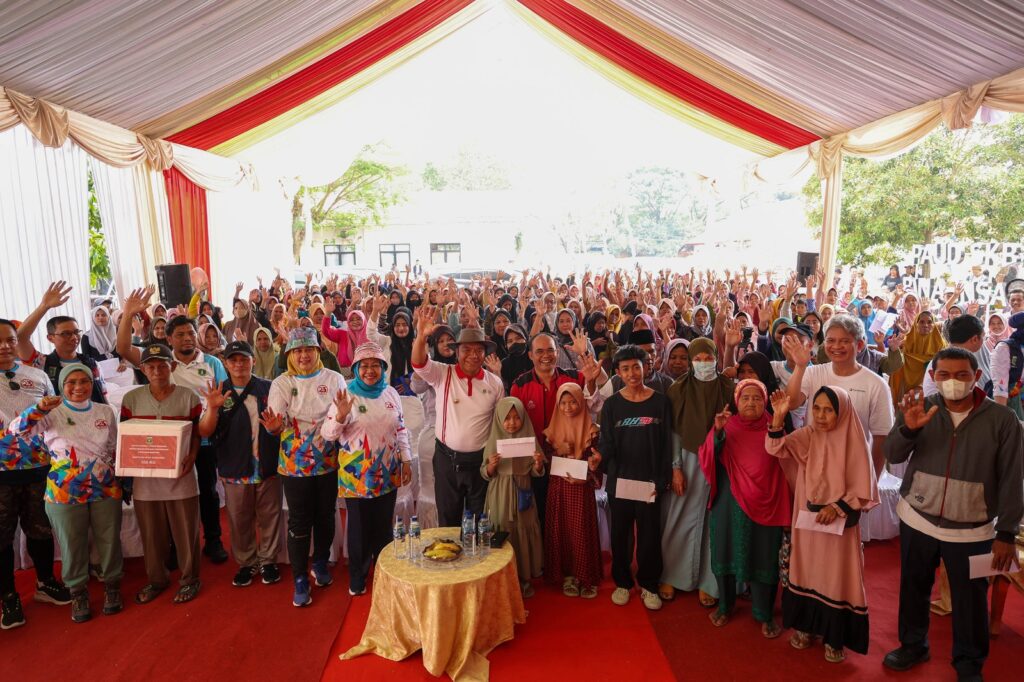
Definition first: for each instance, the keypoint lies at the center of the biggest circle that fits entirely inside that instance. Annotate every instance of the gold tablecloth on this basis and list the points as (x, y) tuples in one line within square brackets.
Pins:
[(455, 614)]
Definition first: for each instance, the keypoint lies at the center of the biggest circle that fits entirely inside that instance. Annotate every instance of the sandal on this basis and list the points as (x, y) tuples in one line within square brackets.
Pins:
[(149, 593), (527, 590), (718, 619), (800, 640), (589, 592), (706, 600), (771, 629), (666, 592), (570, 588), (834, 655), (186, 593)]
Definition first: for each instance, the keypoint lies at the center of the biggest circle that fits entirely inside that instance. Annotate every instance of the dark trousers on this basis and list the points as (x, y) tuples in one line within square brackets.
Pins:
[(457, 484), (209, 500), (312, 506), (762, 597), (539, 484), (22, 504), (369, 531), (629, 516), (919, 557)]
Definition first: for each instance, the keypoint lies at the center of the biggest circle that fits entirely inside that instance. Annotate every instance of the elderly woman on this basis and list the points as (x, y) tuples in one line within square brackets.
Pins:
[(923, 341), (696, 398), (82, 494), (676, 358), (373, 460), (750, 505), (297, 409), (835, 483)]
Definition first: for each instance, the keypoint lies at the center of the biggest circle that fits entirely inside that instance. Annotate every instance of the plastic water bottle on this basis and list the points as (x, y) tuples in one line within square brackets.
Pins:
[(398, 535), (486, 531), (469, 534), (414, 539)]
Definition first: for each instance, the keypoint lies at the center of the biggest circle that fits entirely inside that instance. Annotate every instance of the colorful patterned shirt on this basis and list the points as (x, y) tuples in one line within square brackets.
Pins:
[(303, 402), (373, 444), (82, 440), (21, 453)]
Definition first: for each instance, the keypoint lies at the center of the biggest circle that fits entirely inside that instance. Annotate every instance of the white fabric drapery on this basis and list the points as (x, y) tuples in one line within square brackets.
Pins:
[(44, 205), (117, 203)]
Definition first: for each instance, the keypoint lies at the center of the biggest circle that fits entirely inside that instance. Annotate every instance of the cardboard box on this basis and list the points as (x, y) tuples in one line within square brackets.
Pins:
[(152, 448)]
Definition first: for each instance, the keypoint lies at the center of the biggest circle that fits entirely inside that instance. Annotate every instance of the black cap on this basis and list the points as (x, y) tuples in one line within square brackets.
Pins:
[(237, 347), (800, 329), (157, 351), (641, 337)]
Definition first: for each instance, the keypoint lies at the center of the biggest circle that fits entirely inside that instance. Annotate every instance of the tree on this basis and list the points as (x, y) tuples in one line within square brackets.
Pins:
[(470, 170), (965, 184), (664, 210), (358, 199), (99, 262)]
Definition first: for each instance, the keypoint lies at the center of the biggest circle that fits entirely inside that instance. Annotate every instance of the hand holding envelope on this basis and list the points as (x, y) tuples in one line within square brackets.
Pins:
[(641, 491)]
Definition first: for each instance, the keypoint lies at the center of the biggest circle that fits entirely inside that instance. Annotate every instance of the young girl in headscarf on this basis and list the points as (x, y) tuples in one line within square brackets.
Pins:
[(572, 548), (824, 592), (99, 342), (210, 340), (750, 504), (510, 504)]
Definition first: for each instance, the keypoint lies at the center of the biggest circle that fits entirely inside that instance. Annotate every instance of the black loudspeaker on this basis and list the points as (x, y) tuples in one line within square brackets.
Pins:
[(175, 282), (806, 262)]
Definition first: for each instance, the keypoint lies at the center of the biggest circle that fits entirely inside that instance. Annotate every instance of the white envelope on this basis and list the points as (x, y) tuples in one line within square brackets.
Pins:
[(577, 468), (981, 566), (108, 370), (628, 489), (882, 322), (516, 447), (805, 520)]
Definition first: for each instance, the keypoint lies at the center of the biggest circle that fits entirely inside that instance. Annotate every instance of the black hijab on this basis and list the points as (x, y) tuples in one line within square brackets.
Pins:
[(401, 347)]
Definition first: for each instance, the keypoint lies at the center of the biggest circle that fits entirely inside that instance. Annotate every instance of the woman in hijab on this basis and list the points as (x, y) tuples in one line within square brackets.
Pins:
[(210, 340), (923, 341), (757, 366), (600, 338), (509, 304), (245, 321), (814, 321), (413, 300), (347, 338), (696, 398), (500, 321), (397, 345), (1006, 382), (395, 301), (318, 313), (676, 358), (614, 314), (572, 548), (510, 504), (518, 361), (567, 325), (998, 330), (99, 342), (866, 314), (264, 353), (771, 344), (750, 504), (835, 483), (702, 322), (909, 308)]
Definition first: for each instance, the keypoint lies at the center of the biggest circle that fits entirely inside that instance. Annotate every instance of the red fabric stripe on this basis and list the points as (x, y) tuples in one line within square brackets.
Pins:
[(187, 203), (665, 75), (320, 76), (444, 405)]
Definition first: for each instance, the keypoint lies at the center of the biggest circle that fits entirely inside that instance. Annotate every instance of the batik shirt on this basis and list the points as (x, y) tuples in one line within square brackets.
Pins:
[(373, 443), (81, 440), (19, 453), (303, 402)]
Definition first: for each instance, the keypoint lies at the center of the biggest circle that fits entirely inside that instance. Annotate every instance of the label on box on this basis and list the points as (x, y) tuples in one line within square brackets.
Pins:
[(149, 452)]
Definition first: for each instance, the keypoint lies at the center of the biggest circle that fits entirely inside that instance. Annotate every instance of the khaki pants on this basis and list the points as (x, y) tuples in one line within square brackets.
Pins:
[(72, 523), (161, 521), (255, 509)]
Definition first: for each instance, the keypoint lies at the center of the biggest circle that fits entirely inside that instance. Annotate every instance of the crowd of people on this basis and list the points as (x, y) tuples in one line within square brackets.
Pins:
[(737, 424)]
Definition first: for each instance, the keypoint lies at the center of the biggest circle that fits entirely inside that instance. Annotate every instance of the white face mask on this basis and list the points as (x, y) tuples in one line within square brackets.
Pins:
[(704, 370), (951, 389)]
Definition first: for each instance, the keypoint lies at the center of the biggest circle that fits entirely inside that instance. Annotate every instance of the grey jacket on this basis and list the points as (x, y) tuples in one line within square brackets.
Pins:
[(966, 477)]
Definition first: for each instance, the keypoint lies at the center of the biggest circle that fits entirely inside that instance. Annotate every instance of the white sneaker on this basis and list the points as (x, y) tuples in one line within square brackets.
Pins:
[(620, 597), (650, 600)]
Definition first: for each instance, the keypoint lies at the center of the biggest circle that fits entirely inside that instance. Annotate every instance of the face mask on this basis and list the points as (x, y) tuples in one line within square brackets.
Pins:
[(704, 370), (517, 348), (951, 389)]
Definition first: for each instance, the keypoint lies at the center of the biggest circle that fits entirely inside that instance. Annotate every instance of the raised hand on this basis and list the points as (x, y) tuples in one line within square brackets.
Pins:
[(579, 342), (721, 418), (799, 352), (137, 301), (380, 304), (423, 318), (238, 335), (49, 402), (343, 403), (271, 421), (212, 395), (780, 404), (56, 295), (912, 407), (238, 288), (733, 333), (329, 306), (493, 364), (590, 368), (897, 339)]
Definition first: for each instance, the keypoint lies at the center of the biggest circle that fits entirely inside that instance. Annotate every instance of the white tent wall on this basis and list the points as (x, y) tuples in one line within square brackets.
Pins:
[(115, 198), (250, 234), (44, 221)]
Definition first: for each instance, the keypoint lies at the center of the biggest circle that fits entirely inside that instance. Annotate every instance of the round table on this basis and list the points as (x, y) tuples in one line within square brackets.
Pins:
[(456, 613)]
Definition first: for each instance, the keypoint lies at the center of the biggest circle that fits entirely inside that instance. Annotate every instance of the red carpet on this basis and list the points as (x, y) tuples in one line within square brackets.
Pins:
[(574, 639), (226, 633)]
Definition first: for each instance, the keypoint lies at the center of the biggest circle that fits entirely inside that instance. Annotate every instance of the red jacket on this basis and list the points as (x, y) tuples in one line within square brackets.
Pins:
[(539, 400)]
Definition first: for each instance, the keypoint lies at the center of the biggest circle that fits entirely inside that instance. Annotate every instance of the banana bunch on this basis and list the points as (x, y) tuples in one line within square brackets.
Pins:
[(443, 550)]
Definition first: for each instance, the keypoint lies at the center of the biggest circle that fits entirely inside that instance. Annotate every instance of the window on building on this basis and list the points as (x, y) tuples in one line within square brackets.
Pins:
[(445, 253), (394, 254), (339, 254)]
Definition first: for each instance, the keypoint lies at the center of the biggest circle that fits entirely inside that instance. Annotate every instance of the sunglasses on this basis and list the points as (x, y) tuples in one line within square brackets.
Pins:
[(11, 383)]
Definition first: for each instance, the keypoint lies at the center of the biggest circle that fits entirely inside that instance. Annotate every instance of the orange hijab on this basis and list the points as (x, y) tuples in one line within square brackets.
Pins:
[(918, 351), (572, 430)]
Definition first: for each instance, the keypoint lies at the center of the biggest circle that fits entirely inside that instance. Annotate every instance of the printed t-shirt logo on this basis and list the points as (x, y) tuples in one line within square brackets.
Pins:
[(638, 421), (100, 423), (27, 383), (389, 405), (322, 388)]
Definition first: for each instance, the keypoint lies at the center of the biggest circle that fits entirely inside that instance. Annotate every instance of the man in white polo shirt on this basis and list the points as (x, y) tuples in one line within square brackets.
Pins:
[(194, 370), (467, 396)]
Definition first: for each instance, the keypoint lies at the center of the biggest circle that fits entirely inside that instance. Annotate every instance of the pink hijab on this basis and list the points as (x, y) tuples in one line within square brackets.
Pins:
[(355, 339), (755, 477), (908, 315), (992, 340)]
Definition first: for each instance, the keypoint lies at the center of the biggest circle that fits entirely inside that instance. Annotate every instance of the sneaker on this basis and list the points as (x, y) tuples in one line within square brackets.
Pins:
[(271, 573), (356, 593), (620, 597), (112, 600), (302, 596), (80, 611), (12, 616), (320, 575), (651, 600), (905, 658), (52, 592), (244, 576), (215, 551)]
